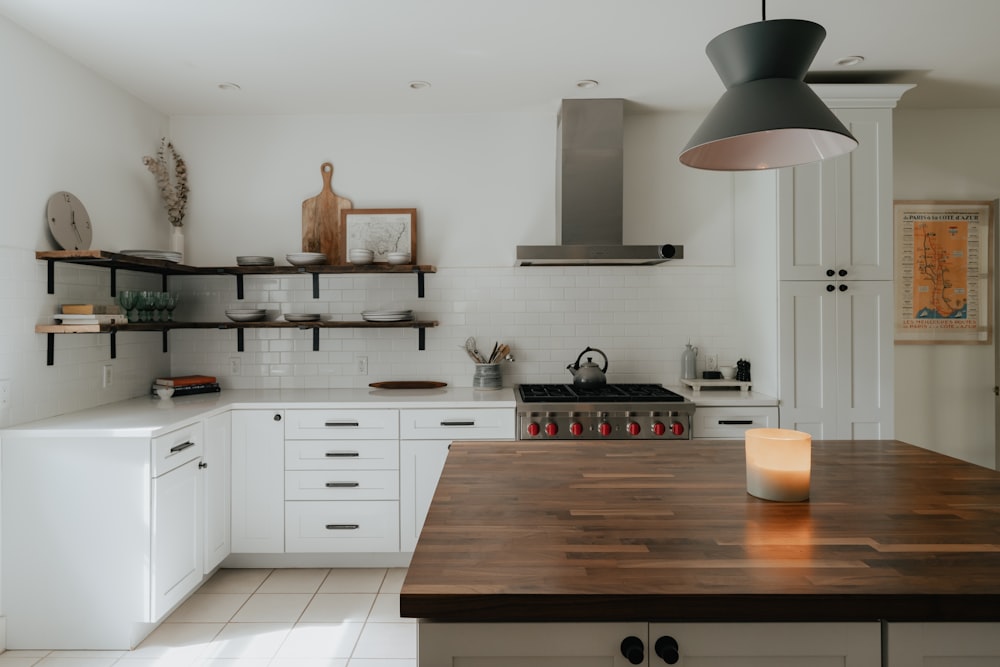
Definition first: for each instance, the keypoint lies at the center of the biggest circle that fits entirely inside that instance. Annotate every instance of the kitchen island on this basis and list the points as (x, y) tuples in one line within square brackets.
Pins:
[(604, 534)]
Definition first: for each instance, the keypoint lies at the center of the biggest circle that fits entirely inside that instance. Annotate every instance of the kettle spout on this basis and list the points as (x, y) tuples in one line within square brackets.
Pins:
[(573, 369)]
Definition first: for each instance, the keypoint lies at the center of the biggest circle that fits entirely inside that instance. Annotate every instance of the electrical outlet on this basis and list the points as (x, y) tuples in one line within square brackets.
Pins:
[(106, 376), (362, 365), (235, 366), (4, 394), (711, 362)]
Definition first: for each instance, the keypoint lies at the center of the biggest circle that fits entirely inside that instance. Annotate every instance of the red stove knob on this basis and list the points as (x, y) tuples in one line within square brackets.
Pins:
[(576, 428), (604, 428), (677, 428), (551, 428), (633, 428), (534, 429), (659, 428)]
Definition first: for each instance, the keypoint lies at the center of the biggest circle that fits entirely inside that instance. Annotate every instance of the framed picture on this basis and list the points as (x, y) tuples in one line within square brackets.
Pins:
[(943, 271), (381, 230)]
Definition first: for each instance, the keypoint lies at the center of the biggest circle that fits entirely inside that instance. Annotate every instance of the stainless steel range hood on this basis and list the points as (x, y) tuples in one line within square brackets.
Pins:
[(590, 193)]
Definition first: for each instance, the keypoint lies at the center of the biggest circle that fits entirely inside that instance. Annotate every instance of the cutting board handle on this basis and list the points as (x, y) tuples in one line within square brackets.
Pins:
[(327, 170)]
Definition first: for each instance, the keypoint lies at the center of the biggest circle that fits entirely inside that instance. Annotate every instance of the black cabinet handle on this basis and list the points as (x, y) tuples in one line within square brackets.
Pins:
[(830, 288), (458, 423), (342, 455), (181, 447), (842, 273), (342, 526), (342, 485), (666, 647), (829, 273), (735, 422), (633, 650), (277, 418), (337, 424), (843, 287)]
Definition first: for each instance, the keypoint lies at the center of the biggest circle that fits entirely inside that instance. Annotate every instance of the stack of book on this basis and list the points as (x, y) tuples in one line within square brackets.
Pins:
[(186, 385), (82, 314)]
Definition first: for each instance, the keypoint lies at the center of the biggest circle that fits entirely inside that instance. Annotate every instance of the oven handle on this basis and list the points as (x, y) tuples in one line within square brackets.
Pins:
[(735, 422)]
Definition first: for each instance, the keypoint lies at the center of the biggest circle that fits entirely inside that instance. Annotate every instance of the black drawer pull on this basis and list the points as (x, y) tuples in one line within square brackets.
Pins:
[(181, 447), (342, 485), (342, 526), (334, 455), (347, 424), (458, 423), (735, 422)]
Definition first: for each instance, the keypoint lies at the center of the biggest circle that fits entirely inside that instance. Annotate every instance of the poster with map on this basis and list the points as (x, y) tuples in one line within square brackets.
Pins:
[(943, 271)]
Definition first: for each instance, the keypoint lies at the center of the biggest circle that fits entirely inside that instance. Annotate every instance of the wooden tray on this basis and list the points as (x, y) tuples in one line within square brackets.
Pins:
[(408, 384), (698, 385)]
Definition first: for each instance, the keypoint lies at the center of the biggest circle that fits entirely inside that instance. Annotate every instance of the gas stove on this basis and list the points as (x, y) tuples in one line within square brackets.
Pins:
[(603, 412)]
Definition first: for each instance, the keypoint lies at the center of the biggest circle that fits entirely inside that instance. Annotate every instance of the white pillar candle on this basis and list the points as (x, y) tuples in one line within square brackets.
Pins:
[(778, 463)]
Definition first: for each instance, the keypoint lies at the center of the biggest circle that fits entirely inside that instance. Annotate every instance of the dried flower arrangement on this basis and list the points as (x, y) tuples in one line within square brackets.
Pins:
[(175, 195)]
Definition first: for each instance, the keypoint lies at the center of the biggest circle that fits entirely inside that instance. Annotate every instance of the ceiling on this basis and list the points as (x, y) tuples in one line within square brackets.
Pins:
[(359, 56)]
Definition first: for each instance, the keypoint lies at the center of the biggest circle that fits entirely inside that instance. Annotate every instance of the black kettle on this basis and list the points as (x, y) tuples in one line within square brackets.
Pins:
[(589, 374)]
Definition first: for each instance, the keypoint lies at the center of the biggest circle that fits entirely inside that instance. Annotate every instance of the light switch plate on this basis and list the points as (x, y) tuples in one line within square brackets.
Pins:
[(711, 362)]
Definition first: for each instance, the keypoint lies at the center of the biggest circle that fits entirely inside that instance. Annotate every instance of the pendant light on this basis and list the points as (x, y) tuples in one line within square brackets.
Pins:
[(768, 117)]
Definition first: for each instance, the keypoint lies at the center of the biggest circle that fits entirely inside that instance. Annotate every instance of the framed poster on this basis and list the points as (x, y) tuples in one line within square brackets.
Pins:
[(381, 230), (943, 271)]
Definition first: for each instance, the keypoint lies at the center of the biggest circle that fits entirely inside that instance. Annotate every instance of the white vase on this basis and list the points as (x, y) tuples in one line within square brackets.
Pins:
[(177, 240)]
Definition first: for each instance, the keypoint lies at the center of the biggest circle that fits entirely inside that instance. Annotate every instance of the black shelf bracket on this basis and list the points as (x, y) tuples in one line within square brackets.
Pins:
[(165, 340), (315, 339), (421, 339), (420, 287), (114, 344), (163, 283), (239, 286), (114, 282), (315, 285), (51, 273), (50, 356), (239, 340)]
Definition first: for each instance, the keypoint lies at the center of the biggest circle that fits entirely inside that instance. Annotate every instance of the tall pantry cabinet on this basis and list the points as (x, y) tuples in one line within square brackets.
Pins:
[(835, 317)]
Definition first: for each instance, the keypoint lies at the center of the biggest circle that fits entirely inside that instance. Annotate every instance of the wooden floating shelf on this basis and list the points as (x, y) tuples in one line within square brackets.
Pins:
[(166, 326)]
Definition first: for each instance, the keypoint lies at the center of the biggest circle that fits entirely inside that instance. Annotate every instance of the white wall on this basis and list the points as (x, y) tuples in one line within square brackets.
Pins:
[(944, 393)]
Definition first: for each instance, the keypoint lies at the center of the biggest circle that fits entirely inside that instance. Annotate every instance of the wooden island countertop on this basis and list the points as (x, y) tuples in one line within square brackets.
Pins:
[(624, 531)]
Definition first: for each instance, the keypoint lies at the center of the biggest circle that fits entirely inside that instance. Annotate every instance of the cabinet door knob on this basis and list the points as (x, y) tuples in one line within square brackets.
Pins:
[(830, 288), (277, 418), (666, 647), (843, 288), (829, 273), (633, 650), (842, 273), (202, 465)]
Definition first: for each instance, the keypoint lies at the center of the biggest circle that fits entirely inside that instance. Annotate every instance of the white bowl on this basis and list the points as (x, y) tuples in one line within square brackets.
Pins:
[(398, 258), (164, 392), (728, 372)]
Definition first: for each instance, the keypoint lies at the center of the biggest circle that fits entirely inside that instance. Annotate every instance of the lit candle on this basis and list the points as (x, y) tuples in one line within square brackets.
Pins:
[(778, 463)]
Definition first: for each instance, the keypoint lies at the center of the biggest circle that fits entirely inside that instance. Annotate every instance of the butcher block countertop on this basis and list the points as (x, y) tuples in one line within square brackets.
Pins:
[(616, 531)]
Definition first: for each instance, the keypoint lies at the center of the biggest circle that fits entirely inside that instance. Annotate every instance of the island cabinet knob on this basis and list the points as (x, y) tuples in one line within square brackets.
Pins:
[(633, 650), (666, 647)]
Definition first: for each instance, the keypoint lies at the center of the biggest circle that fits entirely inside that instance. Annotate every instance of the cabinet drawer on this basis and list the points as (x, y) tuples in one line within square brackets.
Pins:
[(341, 526), (732, 422), (341, 455), (341, 424), (342, 485), (457, 424), (177, 448)]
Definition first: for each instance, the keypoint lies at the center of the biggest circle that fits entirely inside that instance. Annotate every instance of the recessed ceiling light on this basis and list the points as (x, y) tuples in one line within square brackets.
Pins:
[(229, 86), (419, 85), (849, 61), (587, 83)]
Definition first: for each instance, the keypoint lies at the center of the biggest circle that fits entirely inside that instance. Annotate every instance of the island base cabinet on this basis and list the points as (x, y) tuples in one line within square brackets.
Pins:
[(944, 645), (601, 644)]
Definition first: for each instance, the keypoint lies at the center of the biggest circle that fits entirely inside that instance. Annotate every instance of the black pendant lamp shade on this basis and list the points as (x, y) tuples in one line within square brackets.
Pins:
[(768, 117)]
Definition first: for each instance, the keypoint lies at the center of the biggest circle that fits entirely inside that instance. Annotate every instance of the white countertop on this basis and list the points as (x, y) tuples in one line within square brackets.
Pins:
[(717, 398), (151, 416)]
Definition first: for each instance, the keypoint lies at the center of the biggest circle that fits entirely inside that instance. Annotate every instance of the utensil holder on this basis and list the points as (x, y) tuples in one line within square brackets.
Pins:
[(487, 376)]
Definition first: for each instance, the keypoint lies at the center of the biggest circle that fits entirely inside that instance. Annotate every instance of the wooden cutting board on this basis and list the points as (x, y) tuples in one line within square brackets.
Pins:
[(321, 220)]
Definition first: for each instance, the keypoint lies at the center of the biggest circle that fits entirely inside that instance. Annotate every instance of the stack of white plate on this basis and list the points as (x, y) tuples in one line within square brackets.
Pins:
[(246, 314), (254, 260), (163, 255), (305, 258), (387, 315), (301, 317)]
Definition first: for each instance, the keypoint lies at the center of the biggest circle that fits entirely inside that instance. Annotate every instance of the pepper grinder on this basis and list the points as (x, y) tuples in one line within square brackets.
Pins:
[(743, 370)]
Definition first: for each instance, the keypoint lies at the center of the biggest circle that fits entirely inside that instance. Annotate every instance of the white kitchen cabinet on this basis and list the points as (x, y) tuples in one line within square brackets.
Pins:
[(216, 466), (836, 368), (258, 481), (835, 319), (102, 535), (943, 644), (341, 472), (727, 422), (704, 644), (425, 435)]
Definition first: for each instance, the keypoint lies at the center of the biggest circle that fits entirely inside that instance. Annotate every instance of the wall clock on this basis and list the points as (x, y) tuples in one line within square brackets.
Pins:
[(69, 221)]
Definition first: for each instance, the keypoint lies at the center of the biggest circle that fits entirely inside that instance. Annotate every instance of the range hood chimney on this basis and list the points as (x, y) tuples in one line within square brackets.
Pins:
[(589, 193)]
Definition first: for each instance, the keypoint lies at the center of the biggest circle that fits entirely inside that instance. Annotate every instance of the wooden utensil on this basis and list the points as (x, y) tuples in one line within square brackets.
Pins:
[(321, 220)]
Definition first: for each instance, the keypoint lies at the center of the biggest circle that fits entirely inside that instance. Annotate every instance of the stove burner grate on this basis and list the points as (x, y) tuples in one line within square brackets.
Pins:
[(565, 393)]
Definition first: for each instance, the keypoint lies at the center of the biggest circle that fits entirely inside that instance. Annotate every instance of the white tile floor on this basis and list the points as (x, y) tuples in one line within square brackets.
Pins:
[(269, 618)]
